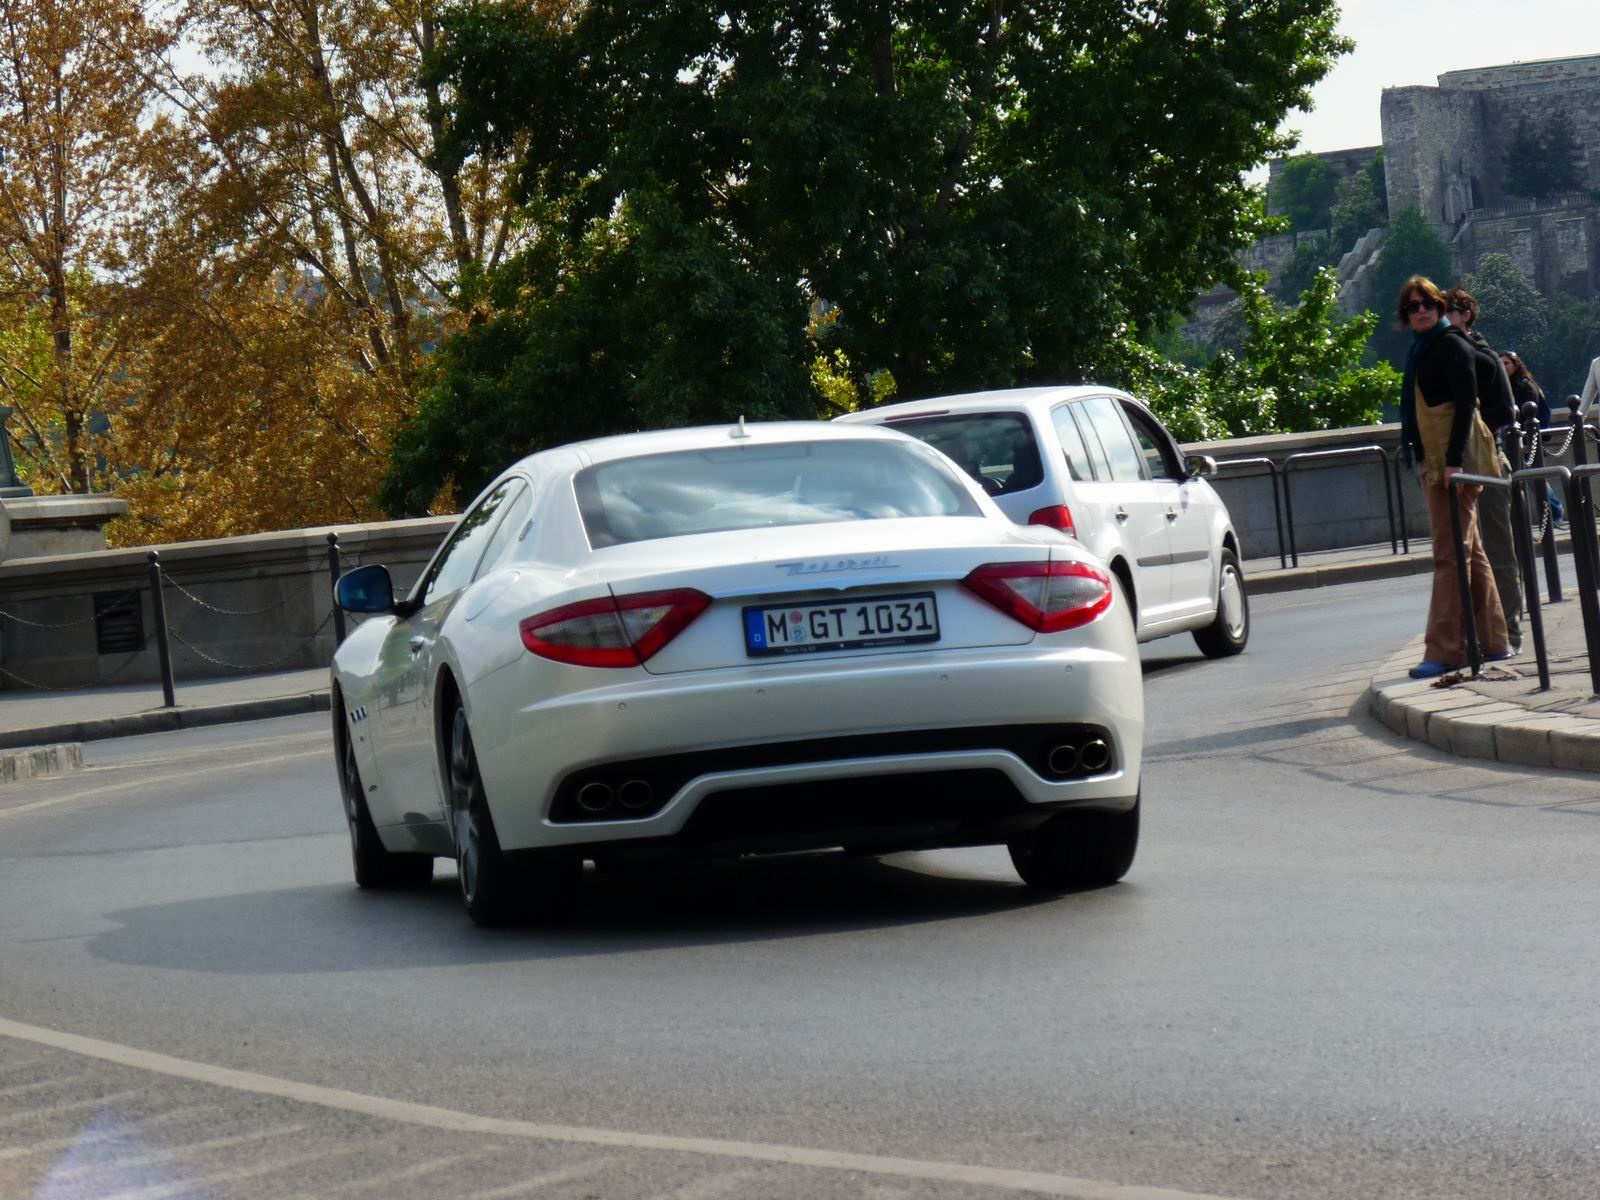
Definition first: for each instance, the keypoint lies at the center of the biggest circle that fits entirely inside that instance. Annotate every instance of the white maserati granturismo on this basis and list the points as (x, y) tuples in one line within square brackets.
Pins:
[(737, 640)]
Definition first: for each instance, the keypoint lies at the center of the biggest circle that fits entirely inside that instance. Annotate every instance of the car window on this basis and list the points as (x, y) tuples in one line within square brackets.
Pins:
[(997, 449), (1071, 440), (454, 569), (1126, 463), (1091, 443), (1154, 446), (764, 486), (513, 531)]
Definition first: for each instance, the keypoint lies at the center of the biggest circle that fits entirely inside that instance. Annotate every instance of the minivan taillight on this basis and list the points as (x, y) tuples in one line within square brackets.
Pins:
[(612, 631), (1057, 516), (1047, 596)]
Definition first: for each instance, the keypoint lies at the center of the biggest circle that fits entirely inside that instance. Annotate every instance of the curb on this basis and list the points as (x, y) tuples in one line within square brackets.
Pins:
[(165, 720), (1418, 562), (1469, 725), (39, 762)]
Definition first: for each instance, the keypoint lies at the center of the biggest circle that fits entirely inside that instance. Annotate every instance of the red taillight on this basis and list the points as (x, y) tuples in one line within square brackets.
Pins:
[(1057, 516), (1048, 596), (612, 631)]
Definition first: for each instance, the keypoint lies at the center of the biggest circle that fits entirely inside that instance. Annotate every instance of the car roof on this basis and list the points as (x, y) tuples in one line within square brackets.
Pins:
[(1033, 399), (701, 437)]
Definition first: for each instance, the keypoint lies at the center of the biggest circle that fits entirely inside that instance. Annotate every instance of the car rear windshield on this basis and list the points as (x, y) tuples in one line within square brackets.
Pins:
[(762, 486), (996, 448)]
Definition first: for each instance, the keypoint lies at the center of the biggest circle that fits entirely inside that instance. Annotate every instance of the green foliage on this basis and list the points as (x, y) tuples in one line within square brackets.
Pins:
[(1513, 315), (1299, 369), (982, 195), (1305, 192), (1310, 256), (1409, 248), (1543, 162), (1361, 205), (1560, 358)]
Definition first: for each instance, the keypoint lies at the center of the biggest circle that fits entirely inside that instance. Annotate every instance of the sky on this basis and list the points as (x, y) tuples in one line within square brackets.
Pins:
[(1400, 43)]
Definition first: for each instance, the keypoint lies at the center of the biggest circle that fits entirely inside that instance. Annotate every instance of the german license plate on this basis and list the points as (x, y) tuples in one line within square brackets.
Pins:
[(806, 628)]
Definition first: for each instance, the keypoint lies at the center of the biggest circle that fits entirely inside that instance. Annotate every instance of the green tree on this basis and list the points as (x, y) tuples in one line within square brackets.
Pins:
[(1299, 369), (1563, 155), (1560, 357), (1361, 205), (1310, 256), (1409, 248), (1305, 192), (1513, 315), (1523, 161), (981, 195)]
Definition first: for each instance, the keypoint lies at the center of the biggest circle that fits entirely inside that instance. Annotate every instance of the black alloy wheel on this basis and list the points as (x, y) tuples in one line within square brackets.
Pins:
[(374, 866), (1075, 851)]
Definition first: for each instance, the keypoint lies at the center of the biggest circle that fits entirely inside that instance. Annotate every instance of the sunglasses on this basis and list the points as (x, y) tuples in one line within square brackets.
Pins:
[(1456, 308), (1412, 306)]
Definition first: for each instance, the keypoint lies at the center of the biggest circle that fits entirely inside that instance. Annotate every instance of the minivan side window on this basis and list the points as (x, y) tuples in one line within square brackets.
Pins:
[(1071, 443), (1126, 464), (1153, 445)]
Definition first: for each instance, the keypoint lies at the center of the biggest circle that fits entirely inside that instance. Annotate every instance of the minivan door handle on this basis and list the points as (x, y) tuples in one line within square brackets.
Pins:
[(1122, 513), (417, 643), (1171, 515)]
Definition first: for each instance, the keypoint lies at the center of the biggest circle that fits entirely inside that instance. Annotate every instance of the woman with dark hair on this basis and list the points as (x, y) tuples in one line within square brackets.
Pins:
[(1442, 431), (1524, 387)]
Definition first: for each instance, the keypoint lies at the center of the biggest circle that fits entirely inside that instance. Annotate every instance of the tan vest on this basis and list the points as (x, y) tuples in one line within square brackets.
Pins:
[(1478, 457)]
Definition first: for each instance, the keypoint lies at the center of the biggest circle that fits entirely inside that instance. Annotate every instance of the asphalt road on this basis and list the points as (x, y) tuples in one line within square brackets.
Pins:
[(1342, 966)]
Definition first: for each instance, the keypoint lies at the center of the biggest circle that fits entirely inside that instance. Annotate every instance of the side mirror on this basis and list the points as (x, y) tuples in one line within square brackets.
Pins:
[(1200, 466), (365, 590)]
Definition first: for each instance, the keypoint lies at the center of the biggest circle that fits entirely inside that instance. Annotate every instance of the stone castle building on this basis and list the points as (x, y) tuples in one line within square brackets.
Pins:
[(1444, 149)]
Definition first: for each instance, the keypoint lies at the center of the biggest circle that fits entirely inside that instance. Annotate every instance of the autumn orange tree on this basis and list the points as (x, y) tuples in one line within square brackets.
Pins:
[(75, 126)]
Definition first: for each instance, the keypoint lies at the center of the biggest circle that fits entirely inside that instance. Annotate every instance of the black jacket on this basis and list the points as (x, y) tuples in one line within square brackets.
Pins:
[(1449, 375), (1495, 401)]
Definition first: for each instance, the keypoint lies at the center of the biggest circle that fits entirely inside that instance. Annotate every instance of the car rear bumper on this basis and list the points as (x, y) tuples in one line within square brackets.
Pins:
[(748, 745)]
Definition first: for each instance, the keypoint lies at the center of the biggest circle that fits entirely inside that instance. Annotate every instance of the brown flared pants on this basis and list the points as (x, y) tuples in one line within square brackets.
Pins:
[(1446, 639)]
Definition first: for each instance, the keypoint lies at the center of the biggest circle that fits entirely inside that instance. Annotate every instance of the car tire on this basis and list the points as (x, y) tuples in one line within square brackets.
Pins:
[(494, 889), (1074, 851), (1229, 632), (374, 866)]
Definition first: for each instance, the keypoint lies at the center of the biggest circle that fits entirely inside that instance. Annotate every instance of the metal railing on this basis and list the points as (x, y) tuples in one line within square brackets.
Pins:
[(1277, 491), (1391, 478)]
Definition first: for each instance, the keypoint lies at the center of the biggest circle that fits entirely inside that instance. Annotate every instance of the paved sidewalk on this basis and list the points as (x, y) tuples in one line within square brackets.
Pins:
[(1503, 714), (37, 718)]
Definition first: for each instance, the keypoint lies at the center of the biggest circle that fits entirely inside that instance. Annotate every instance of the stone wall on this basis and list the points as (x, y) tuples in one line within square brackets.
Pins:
[(1544, 70), (1434, 155), (1556, 247)]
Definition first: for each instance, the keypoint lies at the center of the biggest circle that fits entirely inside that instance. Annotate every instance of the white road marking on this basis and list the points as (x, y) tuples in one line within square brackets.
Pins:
[(200, 1184), (173, 1152), (6, 1093), (454, 1121), (537, 1183), (147, 781), (56, 1110)]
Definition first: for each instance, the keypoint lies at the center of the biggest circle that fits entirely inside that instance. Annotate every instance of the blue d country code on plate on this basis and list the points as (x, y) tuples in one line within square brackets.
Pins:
[(808, 627)]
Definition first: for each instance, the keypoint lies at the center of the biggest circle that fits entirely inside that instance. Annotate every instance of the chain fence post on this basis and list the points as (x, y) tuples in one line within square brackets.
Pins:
[(158, 612), (1580, 500), (333, 576)]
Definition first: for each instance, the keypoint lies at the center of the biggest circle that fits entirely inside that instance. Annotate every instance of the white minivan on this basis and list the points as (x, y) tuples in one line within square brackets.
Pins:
[(1096, 463)]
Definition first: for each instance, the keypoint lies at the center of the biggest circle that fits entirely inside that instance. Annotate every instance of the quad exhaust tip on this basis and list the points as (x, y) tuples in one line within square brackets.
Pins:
[(636, 793), (1095, 756), (595, 797)]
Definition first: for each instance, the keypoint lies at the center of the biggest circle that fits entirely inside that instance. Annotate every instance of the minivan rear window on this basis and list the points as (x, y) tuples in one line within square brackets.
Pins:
[(997, 449), (763, 486)]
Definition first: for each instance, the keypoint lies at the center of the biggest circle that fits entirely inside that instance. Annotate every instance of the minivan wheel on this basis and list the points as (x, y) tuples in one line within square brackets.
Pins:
[(1077, 850), (1229, 632)]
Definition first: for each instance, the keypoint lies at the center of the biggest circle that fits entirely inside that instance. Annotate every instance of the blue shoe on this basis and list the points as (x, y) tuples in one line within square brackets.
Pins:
[(1428, 669)]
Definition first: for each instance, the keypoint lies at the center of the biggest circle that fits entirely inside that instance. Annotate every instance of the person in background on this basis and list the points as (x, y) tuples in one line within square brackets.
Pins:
[(1442, 431), (1524, 387), (1591, 387), (1497, 406)]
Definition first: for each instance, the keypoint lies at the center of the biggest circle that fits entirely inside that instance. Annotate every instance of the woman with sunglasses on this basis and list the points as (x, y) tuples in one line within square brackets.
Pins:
[(1442, 431), (1525, 388)]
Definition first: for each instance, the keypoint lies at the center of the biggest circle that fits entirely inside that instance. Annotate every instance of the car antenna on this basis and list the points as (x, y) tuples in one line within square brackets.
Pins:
[(739, 431)]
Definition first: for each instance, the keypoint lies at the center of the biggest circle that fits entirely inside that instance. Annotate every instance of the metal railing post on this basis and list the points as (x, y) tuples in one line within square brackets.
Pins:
[(158, 610), (1583, 559), (1342, 452), (1400, 499), (333, 579), (1469, 620), (1552, 568), (1277, 500), (1580, 499)]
